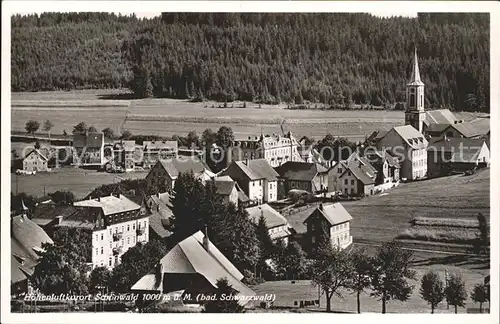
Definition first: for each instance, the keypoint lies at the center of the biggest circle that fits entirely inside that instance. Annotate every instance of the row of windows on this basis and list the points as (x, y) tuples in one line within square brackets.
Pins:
[(346, 182), (123, 229), (340, 227), (419, 163)]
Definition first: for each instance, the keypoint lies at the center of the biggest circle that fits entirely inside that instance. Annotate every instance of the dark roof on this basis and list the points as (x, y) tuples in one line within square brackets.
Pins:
[(300, 171), (361, 168), (40, 154), (72, 216), (334, 214), (160, 145), (224, 185), (156, 222), (257, 169), (27, 237), (178, 165), (464, 150), (437, 127), (242, 197), (88, 139)]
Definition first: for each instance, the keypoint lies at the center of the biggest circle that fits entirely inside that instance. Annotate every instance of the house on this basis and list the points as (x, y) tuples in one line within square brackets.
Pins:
[(311, 177), (386, 165), (275, 149), (154, 151), (335, 220), (357, 177), (125, 154), (193, 266), (88, 149), (161, 203), (26, 240), (456, 154), (226, 188), (257, 179), (35, 161), (278, 227), (410, 147), (163, 174)]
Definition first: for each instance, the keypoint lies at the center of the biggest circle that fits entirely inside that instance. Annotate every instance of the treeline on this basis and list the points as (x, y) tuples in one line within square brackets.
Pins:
[(333, 59)]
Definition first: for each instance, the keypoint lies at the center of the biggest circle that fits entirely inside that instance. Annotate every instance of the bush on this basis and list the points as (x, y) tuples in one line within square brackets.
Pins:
[(250, 279)]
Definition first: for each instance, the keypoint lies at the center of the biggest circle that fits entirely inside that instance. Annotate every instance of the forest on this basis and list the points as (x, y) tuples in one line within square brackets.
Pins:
[(330, 59)]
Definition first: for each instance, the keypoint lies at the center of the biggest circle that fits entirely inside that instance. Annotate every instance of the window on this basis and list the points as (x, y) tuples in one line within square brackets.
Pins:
[(122, 242), (133, 227), (339, 170), (110, 232), (110, 260), (97, 251), (128, 240), (253, 184), (102, 250), (352, 182), (352, 190), (346, 182), (102, 237), (133, 239), (128, 228)]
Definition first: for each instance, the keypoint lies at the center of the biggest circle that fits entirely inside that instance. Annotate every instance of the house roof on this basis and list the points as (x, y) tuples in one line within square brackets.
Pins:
[(190, 257), (88, 139), (27, 236), (272, 216), (38, 153), (257, 169), (386, 155), (411, 136), (175, 166), (439, 116), (437, 128), (469, 129), (334, 214), (361, 168), (242, 197), (300, 171), (109, 204), (463, 150), (160, 145), (156, 223), (224, 185)]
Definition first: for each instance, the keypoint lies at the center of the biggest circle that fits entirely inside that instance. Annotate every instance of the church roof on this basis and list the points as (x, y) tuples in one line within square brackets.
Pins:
[(415, 73), (439, 116)]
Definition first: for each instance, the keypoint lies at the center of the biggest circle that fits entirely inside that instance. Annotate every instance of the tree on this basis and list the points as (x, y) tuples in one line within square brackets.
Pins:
[(294, 260), (482, 244), (47, 126), (62, 197), (331, 271), (126, 135), (208, 137), (81, 127), (225, 137), (32, 126), (266, 245), (480, 295), (224, 301), (391, 271), (432, 289), (37, 145), (455, 291), (99, 279), (63, 265), (308, 141), (135, 263), (108, 133), (92, 129), (192, 139), (362, 268)]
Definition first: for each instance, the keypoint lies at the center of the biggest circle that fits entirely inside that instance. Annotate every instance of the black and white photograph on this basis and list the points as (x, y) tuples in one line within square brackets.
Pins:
[(249, 159)]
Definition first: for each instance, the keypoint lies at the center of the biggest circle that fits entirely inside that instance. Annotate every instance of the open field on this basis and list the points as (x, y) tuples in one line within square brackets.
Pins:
[(382, 218), (80, 182), (166, 117)]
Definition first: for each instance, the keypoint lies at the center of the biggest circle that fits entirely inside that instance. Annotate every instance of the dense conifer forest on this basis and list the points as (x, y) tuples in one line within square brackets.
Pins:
[(330, 59)]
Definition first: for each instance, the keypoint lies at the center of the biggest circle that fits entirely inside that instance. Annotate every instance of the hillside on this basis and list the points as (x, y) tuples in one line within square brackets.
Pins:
[(333, 59)]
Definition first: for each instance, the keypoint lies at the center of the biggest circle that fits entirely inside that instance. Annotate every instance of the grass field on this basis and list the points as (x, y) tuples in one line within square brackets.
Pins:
[(166, 117), (381, 218), (80, 182)]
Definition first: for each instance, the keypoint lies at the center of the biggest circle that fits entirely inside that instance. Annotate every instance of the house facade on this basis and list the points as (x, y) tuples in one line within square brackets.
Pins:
[(331, 220), (35, 161), (278, 227), (357, 177), (226, 188), (88, 149), (154, 151), (257, 179), (125, 154), (311, 177)]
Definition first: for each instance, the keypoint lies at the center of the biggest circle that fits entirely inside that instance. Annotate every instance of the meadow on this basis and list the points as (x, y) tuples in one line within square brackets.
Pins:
[(166, 117), (381, 218)]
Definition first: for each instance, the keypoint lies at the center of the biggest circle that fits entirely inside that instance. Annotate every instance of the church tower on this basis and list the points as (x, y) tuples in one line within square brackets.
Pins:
[(415, 114)]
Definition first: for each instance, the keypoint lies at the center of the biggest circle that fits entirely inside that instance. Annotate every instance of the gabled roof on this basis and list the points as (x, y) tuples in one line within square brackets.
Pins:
[(175, 166), (224, 185), (109, 204), (242, 197), (272, 216), (257, 169), (88, 139), (27, 237), (300, 171), (334, 214), (439, 116), (437, 128), (160, 145), (361, 168), (190, 257), (469, 130), (38, 153), (156, 222), (464, 150), (411, 136)]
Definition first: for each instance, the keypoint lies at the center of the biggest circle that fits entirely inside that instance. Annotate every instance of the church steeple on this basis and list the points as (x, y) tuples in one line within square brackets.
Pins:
[(415, 74), (415, 114)]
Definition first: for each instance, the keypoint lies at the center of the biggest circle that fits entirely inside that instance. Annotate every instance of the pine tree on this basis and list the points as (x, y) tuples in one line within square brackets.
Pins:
[(225, 299)]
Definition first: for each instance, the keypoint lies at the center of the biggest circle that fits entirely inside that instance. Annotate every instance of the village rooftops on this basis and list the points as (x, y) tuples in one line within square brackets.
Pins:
[(160, 145), (464, 150), (469, 130), (257, 169), (109, 204), (334, 214), (27, 237), (273, 217), (411, 136), (439, 116), (65, 216), (224, 185), (175, 166), (300, 171)]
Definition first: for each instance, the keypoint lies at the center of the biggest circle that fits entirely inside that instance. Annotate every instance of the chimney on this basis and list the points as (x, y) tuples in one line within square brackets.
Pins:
[(59, 219), (245, 161), (99, 199), (206, 242)]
